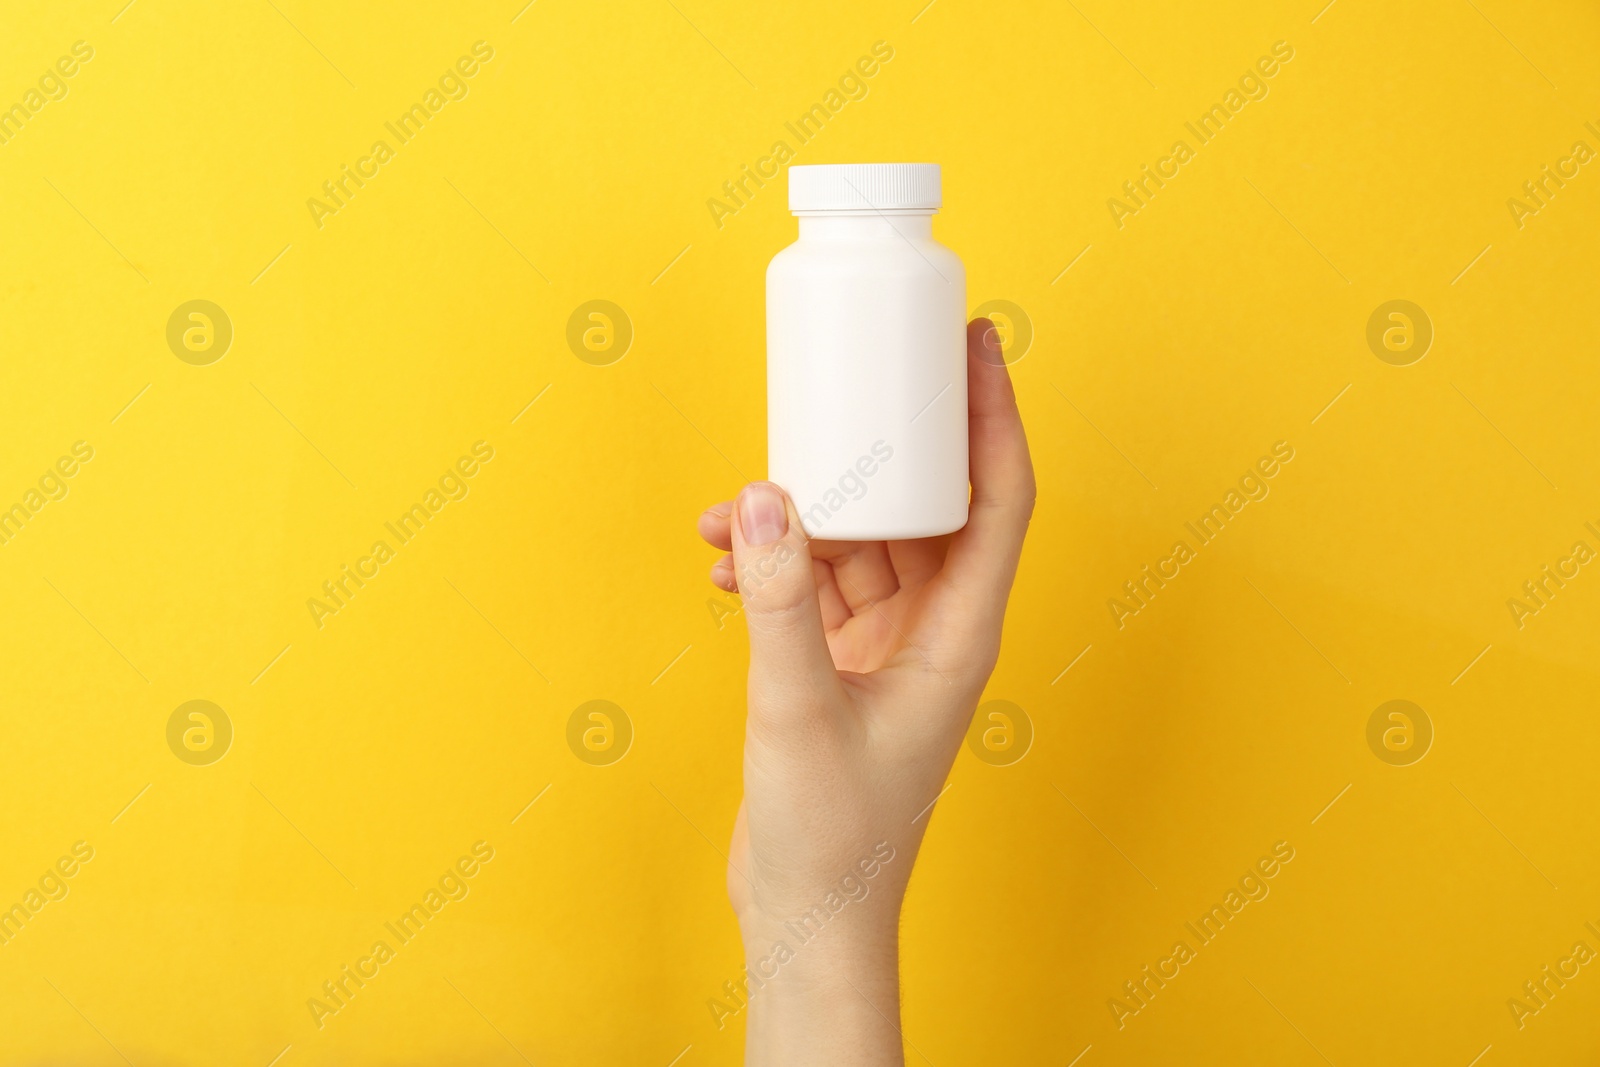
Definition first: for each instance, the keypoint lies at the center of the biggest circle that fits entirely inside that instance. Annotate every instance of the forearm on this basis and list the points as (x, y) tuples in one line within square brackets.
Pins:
[(836, 1001)]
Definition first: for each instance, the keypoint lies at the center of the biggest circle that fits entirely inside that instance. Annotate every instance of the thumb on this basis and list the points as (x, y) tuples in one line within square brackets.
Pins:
[(790, 666)]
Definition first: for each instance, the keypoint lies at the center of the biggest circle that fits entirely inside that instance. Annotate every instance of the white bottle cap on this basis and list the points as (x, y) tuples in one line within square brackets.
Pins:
[(865, 187)]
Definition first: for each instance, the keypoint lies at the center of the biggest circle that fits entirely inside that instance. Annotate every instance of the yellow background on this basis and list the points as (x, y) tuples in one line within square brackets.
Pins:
[(370, 754)]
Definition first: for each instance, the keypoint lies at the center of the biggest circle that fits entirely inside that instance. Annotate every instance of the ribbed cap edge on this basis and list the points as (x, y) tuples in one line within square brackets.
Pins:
[(865, 187)]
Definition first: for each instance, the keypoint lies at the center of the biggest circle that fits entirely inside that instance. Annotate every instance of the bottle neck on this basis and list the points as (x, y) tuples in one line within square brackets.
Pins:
[(867, 226)]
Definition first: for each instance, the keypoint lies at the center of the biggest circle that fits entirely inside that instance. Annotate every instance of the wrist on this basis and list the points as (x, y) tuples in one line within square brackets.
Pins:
[(834, 925), (848, 977), (810, 949), (859, 908)]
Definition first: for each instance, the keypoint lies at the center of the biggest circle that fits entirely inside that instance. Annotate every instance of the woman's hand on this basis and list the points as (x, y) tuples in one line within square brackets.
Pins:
[(866, 662)]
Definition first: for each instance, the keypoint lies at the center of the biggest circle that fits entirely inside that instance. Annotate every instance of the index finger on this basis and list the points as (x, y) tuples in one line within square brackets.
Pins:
[(983, 556)]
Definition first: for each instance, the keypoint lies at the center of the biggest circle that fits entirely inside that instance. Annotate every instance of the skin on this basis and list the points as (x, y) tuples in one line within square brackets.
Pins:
[(867, 660)]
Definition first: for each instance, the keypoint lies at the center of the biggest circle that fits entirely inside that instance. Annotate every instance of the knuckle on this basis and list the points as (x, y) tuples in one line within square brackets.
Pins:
[(771, 578)]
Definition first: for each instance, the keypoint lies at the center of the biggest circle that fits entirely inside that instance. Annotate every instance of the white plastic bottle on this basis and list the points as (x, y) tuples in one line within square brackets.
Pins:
[(866, 357)]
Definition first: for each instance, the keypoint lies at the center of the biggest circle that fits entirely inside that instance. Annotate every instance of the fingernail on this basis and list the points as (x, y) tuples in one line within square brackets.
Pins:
[(761, 514)]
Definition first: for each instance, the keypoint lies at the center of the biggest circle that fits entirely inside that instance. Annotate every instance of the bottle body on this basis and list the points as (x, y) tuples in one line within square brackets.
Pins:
[(867, 377)]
